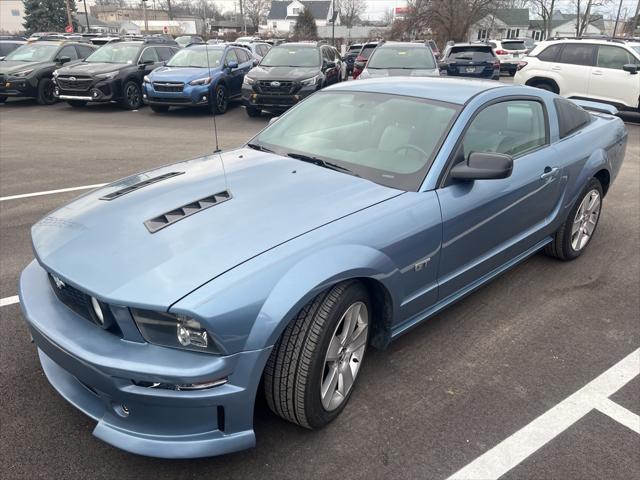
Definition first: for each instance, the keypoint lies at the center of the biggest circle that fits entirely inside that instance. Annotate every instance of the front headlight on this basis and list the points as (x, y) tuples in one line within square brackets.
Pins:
[(176, 331), (146, 79), (201, 81), (248, 80), (310, 81), (22, 73), (107, 76)]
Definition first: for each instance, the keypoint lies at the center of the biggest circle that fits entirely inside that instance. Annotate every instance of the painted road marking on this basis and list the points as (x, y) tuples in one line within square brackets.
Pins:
[(9, 301), (51, 192), (510, 452), (619, 414)]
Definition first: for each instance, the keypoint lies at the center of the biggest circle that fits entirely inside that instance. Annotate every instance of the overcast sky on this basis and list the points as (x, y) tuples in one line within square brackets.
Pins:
[(376, 8)]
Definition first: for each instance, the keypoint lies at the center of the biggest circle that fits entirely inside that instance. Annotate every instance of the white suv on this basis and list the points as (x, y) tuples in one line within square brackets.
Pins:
[(600, 70), (509, 52)]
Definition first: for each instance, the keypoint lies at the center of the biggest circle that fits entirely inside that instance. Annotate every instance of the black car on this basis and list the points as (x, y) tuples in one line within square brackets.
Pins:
[(470, 60), (27, 71), (287, 74), (350, 57), (113, 73), (7, 46)]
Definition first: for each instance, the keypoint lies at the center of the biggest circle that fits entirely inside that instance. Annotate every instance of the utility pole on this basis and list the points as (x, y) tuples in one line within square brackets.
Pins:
[(86, 15), (69, 19), (615, 27), (146, 20), (244, 22), (333, 23)]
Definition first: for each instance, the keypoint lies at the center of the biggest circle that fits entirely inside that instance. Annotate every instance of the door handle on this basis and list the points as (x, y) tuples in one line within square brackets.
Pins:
[(597, 72), (549, 172), (556, 69)]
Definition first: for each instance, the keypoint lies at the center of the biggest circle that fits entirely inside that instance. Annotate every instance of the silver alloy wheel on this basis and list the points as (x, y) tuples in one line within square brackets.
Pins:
[(585, 221), (344, 356)]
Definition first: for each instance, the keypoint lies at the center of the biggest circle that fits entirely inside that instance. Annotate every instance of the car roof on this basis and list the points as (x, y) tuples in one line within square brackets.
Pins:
[(209, 46), (450, 90), (298, 44), (468, 44), (599, 41), (404, 44)]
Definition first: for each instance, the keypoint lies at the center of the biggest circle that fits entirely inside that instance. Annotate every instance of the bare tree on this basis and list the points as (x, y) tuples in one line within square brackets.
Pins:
[(350, 11), (583, 20), (544, 8), (256, 10), (388, 17)]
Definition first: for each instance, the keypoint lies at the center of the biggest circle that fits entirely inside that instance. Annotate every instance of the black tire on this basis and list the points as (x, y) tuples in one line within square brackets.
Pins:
[(131, 96), (46, 87), (542, 85), (220, 100), (561, 247), (253, 111), (296, 367), (3, 99), (77, 103), (160, 108)]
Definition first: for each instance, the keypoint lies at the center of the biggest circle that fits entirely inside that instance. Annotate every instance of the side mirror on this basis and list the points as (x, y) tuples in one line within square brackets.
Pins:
[(255, 62), (329, 64), (64, 60), (483, 166), (273, 119), (442, 65), (632, 68), (232, 65)]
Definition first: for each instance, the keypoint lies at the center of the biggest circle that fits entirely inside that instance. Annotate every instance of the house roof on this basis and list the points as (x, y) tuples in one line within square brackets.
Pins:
[(563, 18), (319, 9), (513, 17)]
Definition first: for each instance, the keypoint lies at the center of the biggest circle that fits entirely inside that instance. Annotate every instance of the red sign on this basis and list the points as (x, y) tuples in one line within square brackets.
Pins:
[(402, 10), (68, 29)]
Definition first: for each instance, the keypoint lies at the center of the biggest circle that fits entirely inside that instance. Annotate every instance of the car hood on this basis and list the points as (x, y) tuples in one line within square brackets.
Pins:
[(181, 74), (398, 72), (86, 68), (104, 247), (12, 66), (283, 73)]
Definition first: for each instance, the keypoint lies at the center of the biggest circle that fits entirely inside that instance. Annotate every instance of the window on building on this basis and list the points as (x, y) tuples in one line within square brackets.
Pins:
[(296, 11), (483, 34), (513, 33), (15, 13)]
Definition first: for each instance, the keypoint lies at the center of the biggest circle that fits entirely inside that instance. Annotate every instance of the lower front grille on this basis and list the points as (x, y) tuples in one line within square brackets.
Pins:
[(170, 100), (168, 87)]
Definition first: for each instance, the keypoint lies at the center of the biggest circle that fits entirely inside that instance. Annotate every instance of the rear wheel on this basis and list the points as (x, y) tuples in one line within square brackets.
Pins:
[(45, 92), (544, 85), (313, 368), (253, 111), (160, 108), (131, 96), (576, 233), (77, 103)]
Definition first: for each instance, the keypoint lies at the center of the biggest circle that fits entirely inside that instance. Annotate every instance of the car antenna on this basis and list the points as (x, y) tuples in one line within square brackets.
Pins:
[(215, 124)]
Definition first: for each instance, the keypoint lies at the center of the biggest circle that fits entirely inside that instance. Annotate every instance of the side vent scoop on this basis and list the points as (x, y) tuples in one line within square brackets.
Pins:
[(136, 186), (185, 211)]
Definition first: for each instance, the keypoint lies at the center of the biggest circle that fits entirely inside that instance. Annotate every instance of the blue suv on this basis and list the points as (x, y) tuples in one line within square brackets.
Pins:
[(200, 75)]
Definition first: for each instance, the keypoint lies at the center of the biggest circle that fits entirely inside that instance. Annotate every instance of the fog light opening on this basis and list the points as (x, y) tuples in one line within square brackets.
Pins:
[(97, 309), (182, 386)]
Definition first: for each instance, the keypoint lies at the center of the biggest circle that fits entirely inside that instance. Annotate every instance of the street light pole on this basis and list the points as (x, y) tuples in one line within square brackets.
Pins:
[(146, 21), (86, 15), (333, 23), (615, 27)]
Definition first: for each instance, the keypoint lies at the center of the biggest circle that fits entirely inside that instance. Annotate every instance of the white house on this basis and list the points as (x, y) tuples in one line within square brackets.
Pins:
[(283, 14), (503, 23), (564, 25), (11, 16)]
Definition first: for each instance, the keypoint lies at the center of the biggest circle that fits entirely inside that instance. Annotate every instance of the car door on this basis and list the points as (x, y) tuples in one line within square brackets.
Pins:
[(573, 67), (67, 51), (609, 82), (487, 223), (327, 61), (235, 74), (150, 59)]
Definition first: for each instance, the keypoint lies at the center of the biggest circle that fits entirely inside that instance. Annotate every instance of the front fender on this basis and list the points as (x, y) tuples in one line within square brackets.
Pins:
[(310, 276)]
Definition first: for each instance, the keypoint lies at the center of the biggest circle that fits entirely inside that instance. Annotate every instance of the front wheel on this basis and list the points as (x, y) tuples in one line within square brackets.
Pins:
[(3, 99), (132, 96), (573, 237), (313, 368), (220, 100), (46, 90)]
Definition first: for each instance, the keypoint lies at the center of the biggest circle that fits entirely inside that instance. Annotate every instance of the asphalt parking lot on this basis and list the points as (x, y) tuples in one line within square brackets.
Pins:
[(480, 389)]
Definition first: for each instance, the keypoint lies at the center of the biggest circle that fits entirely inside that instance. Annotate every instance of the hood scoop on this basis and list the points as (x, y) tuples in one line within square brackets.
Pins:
[(136, 186), (166, 219)]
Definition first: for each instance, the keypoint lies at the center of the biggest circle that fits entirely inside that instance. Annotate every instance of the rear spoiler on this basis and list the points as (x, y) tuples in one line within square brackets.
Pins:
[(596, 106)]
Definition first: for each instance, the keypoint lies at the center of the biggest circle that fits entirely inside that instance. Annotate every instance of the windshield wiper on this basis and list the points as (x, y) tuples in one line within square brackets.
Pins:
[(258, 147), (320, 163)]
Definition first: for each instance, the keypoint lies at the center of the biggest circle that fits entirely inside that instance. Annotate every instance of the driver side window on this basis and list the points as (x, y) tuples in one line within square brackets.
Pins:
[(514, 127), (68, 51), (149, 54), (231, 57)]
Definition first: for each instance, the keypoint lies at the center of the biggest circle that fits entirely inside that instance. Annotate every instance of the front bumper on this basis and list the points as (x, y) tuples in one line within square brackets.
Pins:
[(94, 370), (18, 87), (194, 96), (276, 102), (99, 91)]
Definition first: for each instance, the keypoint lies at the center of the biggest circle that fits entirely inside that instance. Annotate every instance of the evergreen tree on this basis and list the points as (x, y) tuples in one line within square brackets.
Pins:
[(46, 15), (305, 27)]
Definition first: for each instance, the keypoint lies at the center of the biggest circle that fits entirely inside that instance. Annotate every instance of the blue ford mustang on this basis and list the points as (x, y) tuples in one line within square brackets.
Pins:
[(191, 79), (159, 302)]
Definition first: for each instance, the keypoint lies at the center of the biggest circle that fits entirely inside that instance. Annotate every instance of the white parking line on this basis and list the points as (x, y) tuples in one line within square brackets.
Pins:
[(51, 192), (620, 414), (510, 452), (9, 301)]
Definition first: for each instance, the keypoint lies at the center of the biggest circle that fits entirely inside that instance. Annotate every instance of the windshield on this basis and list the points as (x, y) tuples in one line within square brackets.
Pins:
[(477, 54), (366, 51), (402, 57), (183, 41), (114, 53), (636, 48), (37, 52), (288, 56), (388, 139), (514, 46), (196, 57)]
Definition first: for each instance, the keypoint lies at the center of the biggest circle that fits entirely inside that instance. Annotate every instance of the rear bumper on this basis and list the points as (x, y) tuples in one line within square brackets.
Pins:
[(95, 371)]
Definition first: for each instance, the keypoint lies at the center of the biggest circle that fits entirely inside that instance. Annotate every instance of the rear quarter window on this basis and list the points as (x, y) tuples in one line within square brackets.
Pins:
[(571, 117), (575, 54), (549, 54)]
